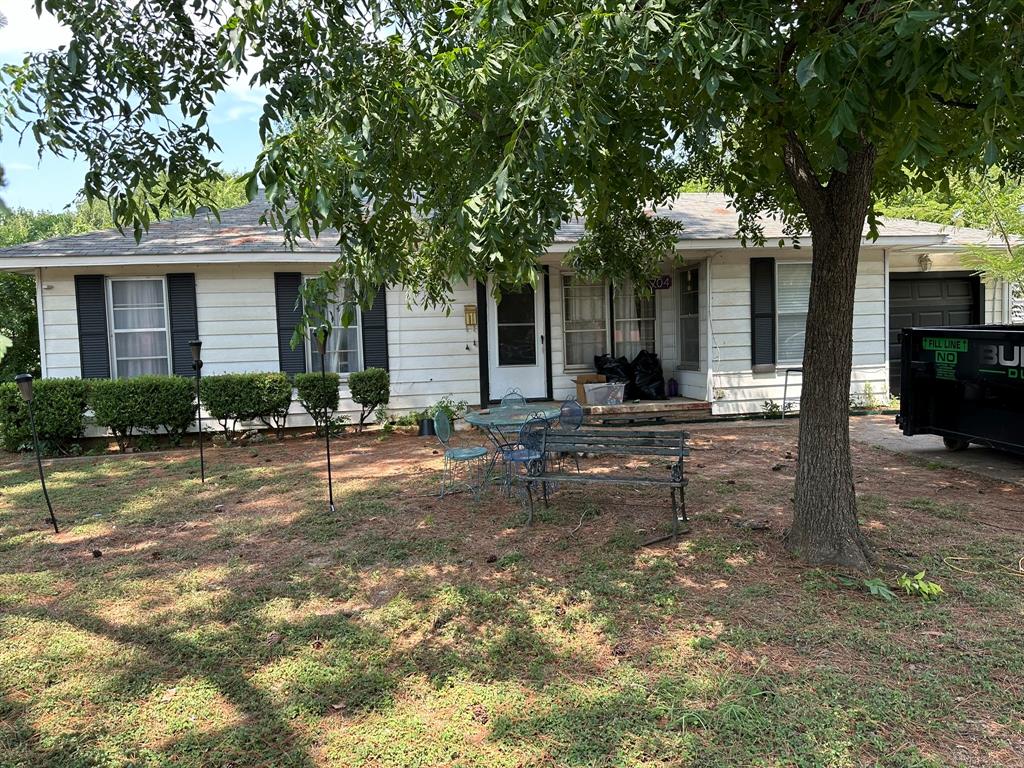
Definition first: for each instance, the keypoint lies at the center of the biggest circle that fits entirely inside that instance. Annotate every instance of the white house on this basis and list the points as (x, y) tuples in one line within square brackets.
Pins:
[(726, 320)]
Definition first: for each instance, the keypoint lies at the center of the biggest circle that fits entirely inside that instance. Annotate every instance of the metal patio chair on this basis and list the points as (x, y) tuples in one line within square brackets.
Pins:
[(456, 457), (513, 399), (570, 417), (529, 448)]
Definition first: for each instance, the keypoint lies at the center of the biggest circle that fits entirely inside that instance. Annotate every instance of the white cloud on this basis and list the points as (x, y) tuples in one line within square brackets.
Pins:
[(27, 32)]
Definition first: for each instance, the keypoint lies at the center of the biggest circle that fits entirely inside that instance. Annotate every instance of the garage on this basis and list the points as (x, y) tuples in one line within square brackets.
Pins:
[(936, 299)]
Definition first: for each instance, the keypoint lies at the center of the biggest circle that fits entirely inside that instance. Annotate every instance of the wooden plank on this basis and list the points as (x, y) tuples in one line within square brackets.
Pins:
[(616, 450), (605, 479), (620, 433), (617, 440)]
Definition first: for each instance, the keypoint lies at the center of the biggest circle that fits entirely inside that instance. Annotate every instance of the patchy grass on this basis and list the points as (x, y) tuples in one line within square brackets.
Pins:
[(239, 623)]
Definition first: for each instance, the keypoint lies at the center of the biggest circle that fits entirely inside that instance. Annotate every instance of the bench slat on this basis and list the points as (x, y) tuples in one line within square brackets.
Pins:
[(584, 448), (617, 439), (561, 477), (610, 433)]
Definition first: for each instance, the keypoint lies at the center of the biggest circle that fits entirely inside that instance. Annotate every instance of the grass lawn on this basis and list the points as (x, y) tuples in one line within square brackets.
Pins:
[(238, 624)]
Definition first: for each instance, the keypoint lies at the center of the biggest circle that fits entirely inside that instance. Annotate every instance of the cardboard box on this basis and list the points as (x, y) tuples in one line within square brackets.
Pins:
[(587, 378)]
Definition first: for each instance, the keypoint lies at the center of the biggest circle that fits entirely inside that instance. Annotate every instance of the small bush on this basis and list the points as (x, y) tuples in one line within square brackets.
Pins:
[(318, 396), (144, 405), (59, 405), (450, 406), (276, 399), (233, 397), (371, 389)]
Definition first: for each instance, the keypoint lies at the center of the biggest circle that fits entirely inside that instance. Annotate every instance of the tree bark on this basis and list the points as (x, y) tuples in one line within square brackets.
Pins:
[(825, 530)]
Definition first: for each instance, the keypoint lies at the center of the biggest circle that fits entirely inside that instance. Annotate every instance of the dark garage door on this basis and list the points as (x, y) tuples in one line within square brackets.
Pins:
[(937, 299)]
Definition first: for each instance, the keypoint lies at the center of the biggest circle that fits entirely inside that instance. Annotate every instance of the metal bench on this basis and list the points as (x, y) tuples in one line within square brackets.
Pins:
[(611, 442)]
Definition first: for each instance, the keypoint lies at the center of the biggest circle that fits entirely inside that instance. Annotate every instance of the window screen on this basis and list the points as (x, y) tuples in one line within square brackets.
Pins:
[(793, 291), (634, 321), (584, 321), (138, 313), (689, 319)]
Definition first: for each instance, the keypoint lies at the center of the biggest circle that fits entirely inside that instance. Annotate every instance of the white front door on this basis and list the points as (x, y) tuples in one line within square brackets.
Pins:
[(515, 342)]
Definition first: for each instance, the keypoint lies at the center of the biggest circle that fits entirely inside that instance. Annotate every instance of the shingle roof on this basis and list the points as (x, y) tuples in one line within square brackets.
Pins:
[(704, 216), (238, 230), (708, 216)]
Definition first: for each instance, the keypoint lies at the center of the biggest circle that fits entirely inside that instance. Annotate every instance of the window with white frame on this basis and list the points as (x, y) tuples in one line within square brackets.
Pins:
[(689, 319), (139, 326), (634, 321), (792, 292), (584, 321), (344, 345)]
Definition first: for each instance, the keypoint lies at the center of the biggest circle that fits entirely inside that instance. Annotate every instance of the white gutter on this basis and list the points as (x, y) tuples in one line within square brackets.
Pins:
[(883, 241), (134, 259), (39, 321), (709, 383), (885, 294)]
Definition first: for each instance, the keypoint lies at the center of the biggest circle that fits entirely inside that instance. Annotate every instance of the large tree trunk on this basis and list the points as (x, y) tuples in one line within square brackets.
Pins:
[(825, 528)]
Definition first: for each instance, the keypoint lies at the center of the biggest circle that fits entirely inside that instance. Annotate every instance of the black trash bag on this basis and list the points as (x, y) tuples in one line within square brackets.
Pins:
[(648, 376), (617, 369)]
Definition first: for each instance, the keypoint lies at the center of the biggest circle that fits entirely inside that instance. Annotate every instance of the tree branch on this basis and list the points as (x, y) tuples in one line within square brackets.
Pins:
[(802, 177), (938, 97)]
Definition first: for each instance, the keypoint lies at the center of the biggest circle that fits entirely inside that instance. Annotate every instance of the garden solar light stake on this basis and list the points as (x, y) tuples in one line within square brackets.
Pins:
[(197, 365), (24, 381), (321, 341)]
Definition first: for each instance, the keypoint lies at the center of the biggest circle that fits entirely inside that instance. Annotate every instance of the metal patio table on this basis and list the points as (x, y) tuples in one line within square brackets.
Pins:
[(502, 425)]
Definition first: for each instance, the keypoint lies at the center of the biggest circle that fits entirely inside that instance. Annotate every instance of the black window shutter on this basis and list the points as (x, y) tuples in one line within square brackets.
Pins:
[(181, 297), (375, 332), (289, 314), (762, 312), (93, 342)]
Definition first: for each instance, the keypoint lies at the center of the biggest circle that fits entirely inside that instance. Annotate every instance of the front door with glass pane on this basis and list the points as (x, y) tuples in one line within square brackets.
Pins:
[(515, 342)]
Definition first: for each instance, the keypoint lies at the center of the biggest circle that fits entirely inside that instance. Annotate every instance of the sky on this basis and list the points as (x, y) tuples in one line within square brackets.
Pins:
[(51, 183)]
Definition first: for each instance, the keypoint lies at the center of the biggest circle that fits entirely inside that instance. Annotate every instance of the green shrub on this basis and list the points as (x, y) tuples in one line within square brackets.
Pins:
[(273, 392), (233, 397), (59, 405), (144, 405), (371, 389), (449, 405), (318, 397)]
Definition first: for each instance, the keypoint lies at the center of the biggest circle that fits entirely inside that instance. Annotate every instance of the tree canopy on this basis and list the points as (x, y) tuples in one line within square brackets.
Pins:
[(535, 111)]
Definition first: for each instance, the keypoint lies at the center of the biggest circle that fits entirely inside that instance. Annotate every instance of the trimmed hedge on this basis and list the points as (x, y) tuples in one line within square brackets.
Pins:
[(319, 398), (59, 405), (144, 405), (274, 396), (233, 397), (371, 389)]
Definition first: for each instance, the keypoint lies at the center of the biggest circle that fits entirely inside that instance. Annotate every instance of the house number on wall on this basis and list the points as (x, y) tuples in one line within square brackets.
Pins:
[(662, 283)]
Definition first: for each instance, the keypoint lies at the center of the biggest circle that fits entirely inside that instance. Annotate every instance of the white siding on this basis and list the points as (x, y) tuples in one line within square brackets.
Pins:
[(431, 353), (736, 389)]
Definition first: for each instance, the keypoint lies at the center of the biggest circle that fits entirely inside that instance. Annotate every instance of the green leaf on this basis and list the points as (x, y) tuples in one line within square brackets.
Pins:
[(252, 186), (805, 69), (501, 183)]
